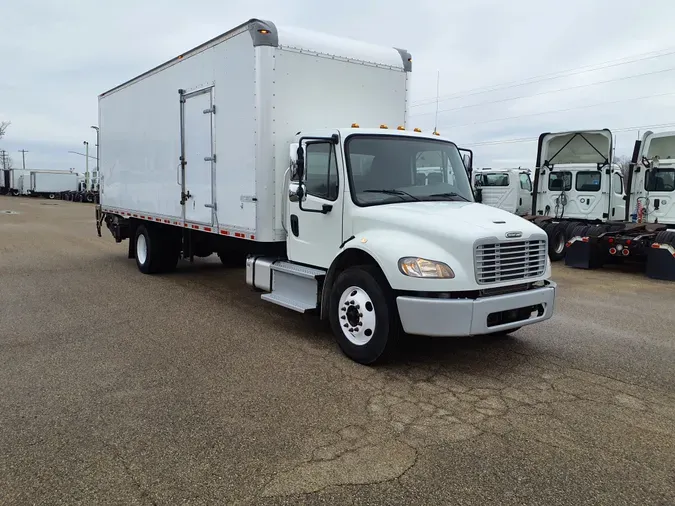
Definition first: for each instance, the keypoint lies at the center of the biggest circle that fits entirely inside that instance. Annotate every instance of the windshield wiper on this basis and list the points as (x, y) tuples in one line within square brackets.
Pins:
[(450, 194), (398, 193)]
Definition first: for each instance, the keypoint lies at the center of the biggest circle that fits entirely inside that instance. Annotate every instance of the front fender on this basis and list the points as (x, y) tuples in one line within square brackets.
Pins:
[(387, 247)]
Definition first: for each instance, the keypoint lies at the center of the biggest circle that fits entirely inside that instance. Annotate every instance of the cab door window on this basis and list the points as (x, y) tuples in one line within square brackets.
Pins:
[(321, 173)]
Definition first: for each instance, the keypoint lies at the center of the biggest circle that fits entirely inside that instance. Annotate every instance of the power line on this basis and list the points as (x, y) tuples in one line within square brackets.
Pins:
[(550, 76), (634, 76), (535, 139), (564, 110)]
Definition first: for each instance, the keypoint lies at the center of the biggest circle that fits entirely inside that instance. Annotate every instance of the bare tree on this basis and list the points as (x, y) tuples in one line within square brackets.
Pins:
[(623, 161), (3, 127)]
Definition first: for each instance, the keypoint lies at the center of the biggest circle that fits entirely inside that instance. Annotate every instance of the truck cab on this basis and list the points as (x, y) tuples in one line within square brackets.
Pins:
[(575, 178), (383, 227), (507, 189), (652, 179)]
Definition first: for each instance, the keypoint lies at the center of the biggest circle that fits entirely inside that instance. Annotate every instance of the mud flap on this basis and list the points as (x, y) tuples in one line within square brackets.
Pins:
[(583, 255), (99, 220), (660, 264)]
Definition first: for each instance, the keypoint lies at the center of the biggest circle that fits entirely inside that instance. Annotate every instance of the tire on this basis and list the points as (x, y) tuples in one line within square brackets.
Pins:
[(232, 258), (155, 252), (90, 197), (596, 231), (16, 193), (556, 241), (52, 196), (580, 231), (569, 228), (665, 237), (371, 309)]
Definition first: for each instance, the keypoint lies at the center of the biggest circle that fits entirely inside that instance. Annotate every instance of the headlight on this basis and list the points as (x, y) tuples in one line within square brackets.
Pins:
[(423, 268)]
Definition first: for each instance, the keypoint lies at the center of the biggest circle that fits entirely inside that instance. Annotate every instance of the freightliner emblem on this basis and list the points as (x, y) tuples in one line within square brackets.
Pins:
[(513, 235)]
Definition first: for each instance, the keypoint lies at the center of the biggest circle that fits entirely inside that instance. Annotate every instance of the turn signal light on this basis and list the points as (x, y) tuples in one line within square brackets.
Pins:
[(625, 252), (612, 251)]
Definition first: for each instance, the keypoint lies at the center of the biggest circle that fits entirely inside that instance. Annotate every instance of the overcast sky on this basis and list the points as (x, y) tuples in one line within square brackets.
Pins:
[(58, 56)]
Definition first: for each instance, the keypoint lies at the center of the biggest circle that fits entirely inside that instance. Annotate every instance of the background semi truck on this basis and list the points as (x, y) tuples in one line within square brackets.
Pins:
[(575, 184), (507, 189), (288, 151), (647, 232)]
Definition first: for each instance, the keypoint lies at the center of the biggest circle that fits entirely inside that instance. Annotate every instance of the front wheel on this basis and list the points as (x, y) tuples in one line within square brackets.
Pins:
[(363, 315)]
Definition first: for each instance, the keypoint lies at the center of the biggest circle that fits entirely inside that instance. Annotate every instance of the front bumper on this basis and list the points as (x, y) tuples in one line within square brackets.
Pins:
[(467, 317)]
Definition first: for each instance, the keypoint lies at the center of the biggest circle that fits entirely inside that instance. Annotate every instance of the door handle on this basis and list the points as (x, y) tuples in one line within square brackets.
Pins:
[(213, 206)]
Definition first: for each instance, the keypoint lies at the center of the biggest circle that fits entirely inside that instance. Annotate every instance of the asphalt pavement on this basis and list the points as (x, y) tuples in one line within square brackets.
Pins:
[(122, 388)]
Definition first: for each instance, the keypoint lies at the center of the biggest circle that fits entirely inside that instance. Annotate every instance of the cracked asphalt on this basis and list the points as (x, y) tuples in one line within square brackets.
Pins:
[(120, 388)]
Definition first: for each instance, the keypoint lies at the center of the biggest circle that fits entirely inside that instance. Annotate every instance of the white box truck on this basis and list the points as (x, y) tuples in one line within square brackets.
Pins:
[(52, 184), (19, 180), (287, 151)]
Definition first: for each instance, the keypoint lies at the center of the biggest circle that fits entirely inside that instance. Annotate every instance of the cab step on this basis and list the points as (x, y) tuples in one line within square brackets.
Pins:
[(290, 285)]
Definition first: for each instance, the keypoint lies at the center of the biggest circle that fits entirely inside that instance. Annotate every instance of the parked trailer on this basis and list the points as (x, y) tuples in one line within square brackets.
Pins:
[(325, 219), (647, 234), (52, 185), (575, 184)]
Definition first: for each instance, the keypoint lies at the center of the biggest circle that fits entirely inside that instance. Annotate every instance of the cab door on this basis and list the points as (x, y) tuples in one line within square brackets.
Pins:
[(315, 205)]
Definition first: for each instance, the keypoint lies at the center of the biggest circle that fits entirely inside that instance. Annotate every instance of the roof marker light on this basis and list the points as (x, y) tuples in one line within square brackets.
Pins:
[(355, 125), (418, 129), (383, 126), (400, 127)]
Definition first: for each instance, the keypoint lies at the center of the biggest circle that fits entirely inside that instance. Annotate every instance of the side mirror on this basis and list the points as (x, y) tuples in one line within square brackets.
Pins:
[(300, 163), (466, 158)]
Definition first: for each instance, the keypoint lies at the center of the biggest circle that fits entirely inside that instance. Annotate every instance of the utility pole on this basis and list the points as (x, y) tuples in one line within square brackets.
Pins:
[(86, 170), (4, 159), (23, 157)]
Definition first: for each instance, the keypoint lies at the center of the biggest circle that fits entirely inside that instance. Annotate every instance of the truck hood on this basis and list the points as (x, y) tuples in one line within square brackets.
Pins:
[(462, 221)]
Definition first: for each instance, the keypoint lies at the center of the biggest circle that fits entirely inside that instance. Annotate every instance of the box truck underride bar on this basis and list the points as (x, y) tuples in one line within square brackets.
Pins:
[(239, 147)]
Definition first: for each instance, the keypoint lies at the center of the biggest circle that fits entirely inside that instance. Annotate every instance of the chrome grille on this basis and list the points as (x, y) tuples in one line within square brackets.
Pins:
[(510, 261)]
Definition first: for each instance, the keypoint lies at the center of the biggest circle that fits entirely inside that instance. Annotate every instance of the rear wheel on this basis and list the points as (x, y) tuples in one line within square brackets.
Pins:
[(665, 237), (569, 228), (363, 315), (155, 252), (232, 258), (556, 241), (52, 196)]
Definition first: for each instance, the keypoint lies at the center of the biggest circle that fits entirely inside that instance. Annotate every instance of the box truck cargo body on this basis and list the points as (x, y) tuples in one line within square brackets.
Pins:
[(52, 184), (238, 102), (288, 151)]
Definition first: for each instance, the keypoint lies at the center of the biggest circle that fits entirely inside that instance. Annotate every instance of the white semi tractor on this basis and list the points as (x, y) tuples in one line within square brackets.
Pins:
[(288, 151), (647, 232), (507, 189), (575, 184)]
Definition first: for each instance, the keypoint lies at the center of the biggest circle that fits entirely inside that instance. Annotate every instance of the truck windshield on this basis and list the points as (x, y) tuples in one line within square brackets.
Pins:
[(387, 169)]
